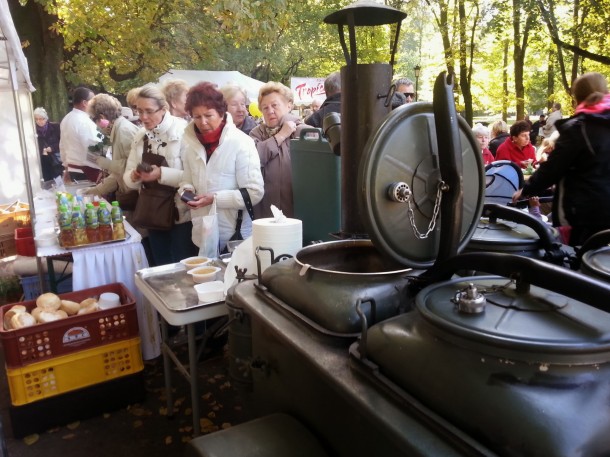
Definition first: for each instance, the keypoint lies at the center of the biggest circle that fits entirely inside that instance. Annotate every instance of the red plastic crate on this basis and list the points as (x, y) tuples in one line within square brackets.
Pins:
[(24, 240), (76, 333)]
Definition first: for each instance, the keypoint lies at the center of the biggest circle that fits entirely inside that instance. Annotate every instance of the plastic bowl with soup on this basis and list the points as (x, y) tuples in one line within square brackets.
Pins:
[(204, 274), (194, 262)]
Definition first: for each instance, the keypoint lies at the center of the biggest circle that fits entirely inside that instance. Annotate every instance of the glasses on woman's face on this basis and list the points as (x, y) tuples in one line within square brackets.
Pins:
[(147, 112)]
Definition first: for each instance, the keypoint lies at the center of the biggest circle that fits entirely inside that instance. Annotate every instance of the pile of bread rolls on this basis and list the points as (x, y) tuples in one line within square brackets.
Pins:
[(49, 308)]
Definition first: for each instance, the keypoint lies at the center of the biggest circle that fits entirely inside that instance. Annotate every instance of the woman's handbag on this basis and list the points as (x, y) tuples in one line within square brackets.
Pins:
[(127, 200), (156, 208)]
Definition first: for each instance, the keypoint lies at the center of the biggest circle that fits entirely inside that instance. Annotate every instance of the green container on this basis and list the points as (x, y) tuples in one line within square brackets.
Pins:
[(316, 182)]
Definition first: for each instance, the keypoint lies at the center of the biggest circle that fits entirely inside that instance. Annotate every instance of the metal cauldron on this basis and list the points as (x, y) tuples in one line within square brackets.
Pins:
[(512, 231), (324, 284), (509, 363), (593, 257)]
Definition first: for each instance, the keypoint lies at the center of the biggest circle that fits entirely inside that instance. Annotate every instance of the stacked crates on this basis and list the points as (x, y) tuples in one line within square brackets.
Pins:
[(75, 367), (12, 216)]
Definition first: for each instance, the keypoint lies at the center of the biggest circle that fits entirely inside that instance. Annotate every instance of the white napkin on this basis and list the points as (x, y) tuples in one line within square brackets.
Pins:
[(278, 215)]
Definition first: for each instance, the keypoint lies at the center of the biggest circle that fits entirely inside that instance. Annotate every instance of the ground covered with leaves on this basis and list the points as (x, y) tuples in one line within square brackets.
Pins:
[(142, 429)]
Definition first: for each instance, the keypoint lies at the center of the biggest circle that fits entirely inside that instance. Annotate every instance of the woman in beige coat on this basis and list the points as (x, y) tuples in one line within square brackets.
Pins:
[(272, 139)]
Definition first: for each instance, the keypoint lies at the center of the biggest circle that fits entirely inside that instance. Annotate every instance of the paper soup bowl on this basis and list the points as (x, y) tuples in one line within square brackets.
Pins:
[(194, 262), (203, 274)]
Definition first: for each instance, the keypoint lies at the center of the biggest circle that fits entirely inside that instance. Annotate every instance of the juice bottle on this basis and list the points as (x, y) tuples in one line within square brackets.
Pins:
[(79, 227), (91, 224), (118, 229), (105, 222), (66, 234)]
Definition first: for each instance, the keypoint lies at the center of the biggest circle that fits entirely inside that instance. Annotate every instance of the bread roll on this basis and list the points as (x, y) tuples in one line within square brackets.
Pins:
[(48, 302), (36, 313), (70, 307), (9, 315), (51, 316), (93, 307), (21, 320), (88, 302)]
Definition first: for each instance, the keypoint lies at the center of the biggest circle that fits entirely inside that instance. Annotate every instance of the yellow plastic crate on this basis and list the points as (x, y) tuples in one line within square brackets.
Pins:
[(70, 372)]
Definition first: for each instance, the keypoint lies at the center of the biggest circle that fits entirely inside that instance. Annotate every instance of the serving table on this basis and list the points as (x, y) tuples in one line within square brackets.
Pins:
[(107, 263), (171, 292)]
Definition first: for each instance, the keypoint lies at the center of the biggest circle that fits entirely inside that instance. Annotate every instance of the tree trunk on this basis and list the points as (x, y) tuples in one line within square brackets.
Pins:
[(550, 81), (464, 76), (505, 83), (45, 54)]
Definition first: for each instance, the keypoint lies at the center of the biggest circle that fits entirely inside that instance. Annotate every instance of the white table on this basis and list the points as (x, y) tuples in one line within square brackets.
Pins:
[(108, 263), (171, 291)]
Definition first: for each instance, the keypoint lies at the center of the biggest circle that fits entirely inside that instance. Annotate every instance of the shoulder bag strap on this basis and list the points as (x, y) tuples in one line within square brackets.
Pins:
[(248, 202)]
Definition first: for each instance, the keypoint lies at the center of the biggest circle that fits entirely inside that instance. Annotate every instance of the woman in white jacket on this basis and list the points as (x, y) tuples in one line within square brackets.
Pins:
[(162, 135), (218, 160)]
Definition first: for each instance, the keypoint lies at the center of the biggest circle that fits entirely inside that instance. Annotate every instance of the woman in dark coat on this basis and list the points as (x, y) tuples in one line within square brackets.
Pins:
[(579, 166), (48, 145)]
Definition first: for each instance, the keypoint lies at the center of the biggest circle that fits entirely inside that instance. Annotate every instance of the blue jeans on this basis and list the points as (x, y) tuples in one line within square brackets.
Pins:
[(171, 246)]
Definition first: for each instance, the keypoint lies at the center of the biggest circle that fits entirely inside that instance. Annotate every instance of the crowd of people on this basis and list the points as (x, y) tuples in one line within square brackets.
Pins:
[(572, 160), (202, 139)]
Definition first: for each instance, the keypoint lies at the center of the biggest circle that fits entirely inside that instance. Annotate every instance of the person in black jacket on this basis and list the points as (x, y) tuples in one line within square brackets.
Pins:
[(499, 134), (579, 166), (535, 132), (332, 104), (48, 134)]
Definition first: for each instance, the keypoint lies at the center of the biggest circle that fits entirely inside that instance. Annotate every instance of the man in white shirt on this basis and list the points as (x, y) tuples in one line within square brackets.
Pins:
[(78, 132)]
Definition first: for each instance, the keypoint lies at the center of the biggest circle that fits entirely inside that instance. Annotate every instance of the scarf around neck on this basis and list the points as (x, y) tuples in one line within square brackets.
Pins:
[(211, 140), (599, 107)]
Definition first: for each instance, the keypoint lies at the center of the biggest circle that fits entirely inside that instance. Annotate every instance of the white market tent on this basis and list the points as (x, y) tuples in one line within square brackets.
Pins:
[(220, 78), (19, 163)]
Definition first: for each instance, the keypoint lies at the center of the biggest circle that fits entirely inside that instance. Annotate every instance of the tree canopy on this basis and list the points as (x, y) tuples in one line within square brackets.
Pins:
[(515, 57)]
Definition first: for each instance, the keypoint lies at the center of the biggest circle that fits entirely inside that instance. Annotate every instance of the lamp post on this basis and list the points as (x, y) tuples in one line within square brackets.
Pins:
[(417, 70)]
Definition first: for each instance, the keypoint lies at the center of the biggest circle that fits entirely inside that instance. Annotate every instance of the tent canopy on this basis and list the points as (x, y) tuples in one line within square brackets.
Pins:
[(19, 162), (220, 78)]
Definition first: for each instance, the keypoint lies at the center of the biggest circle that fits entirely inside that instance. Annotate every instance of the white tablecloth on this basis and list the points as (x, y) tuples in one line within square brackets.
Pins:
[(116, 262)]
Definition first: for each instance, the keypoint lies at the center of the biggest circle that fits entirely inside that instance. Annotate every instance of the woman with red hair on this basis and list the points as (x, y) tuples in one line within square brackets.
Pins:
[(219, 160)]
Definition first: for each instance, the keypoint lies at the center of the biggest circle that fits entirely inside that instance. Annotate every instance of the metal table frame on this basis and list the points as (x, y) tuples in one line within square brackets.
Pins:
[(188, 318)]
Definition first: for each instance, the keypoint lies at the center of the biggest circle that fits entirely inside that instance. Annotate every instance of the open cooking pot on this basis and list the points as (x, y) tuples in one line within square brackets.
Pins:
[(420, 164), (509, 363)]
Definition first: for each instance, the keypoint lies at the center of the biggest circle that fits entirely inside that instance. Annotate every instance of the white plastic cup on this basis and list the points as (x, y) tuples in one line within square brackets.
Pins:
[(109, 300)]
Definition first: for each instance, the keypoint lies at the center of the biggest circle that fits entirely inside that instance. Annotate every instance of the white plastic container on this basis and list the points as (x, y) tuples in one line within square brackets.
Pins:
[(206, 273), (210, 292)]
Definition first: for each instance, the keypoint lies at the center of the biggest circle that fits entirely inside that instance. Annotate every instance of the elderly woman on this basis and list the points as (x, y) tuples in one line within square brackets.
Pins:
[(517, 148), (48, 134), (219, 160), (237, 102), (160, 139), (106, 112), (482, 135), (175, 93), (499, 134), (272, 138), (579, 163)]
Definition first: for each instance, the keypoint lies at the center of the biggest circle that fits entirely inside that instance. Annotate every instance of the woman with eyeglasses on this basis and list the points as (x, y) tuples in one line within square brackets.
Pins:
[(160, 138), (237, 106), (219, 160)]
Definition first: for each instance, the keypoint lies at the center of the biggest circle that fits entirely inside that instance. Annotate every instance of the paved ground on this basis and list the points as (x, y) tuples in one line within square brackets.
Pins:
[(141, 429)]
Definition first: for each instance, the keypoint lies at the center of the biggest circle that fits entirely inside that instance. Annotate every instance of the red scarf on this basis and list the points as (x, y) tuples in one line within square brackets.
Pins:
[(600, 107), (210, 140)]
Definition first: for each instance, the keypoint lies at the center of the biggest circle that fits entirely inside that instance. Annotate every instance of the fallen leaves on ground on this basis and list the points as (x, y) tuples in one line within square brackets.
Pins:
[(138, 424), (73, 425), (31, 439), (69, 436), (168, 440)]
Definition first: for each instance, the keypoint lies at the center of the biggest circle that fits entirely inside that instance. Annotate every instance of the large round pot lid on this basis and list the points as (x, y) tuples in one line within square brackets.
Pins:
[(504, 234), (404, 150), (597, 263), (537, 321)]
